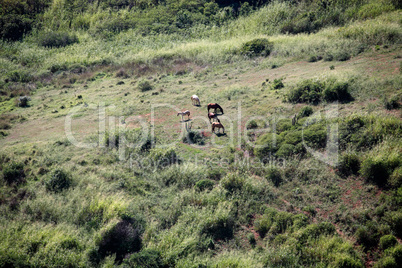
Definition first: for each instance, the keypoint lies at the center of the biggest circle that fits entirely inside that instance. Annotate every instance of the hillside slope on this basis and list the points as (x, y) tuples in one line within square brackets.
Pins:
[(97, 169)]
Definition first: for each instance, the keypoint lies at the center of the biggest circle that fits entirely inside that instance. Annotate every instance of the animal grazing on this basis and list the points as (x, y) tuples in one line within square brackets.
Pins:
[(212, 116), (195, 100), (214, 106), (218, 125), (187, 112)]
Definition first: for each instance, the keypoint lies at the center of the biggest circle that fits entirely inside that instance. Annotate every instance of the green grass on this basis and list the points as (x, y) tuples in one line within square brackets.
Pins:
[(212, 203)]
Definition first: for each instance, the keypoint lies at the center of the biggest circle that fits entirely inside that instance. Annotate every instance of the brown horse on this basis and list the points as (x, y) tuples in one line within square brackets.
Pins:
[(214, 106), (187, 112), (217, 125), (212, 116)]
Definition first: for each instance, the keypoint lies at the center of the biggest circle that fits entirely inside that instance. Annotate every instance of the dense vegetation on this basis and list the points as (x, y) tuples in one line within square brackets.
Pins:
[(309, 174)]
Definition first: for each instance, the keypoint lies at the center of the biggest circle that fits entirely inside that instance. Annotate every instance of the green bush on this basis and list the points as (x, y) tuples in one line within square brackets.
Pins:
[(274, 175), (219, 227), (122, 239), (342, 56), (263, 224), (278, 84), (374, 9), (394, 219), (376, 170), (397, 253), (144, 85), (395, 180), (315, 230), (146, 258), (163, 157), (205, 184), (387, 241), (267, 145), (194, 137), (338, 91), (57, 39), (367, 235), (257, 47), (386, 262), (391, 104), (306, 91), (349, 164), (233, 183), (251, 239), (286, 150), (306, 111), (13, 173), (19, 76), (252, 124), (58, 181)]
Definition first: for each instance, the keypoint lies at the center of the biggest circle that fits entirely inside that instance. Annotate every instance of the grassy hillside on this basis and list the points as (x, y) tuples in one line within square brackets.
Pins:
[(97, 169)]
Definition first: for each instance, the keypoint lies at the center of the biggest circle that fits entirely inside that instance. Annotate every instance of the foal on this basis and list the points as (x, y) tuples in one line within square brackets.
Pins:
[(212, 116), (186, 112)]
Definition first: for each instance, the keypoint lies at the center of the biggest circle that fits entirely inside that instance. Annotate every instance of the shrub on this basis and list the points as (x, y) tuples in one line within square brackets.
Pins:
[(387, 241), (122, 239), (219, 227), (337, 91), (58, 181), (395, 180), (267, 145), (375, 170), (194, 137), (397, 253), (163, 157), (391, 104), (349, 164), (347, 262), (386, 262), (122, 73), (286, 150), (274, 175), (14, 173), (315, 230), (306, 111), (263, 224), (328, 57), (252, 124), (257, 47), (312, 59), (23, 101), (144, 85), (57, 39), (205, 184), (394, 219), (342, 56), (367, 236), (19, 76), (251, 239), (144, 258), (232, 183), (306, 91), (277, 84)]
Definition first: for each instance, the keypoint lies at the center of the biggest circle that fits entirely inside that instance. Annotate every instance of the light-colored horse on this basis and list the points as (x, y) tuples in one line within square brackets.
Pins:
[(187, 112), (195, 100)]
